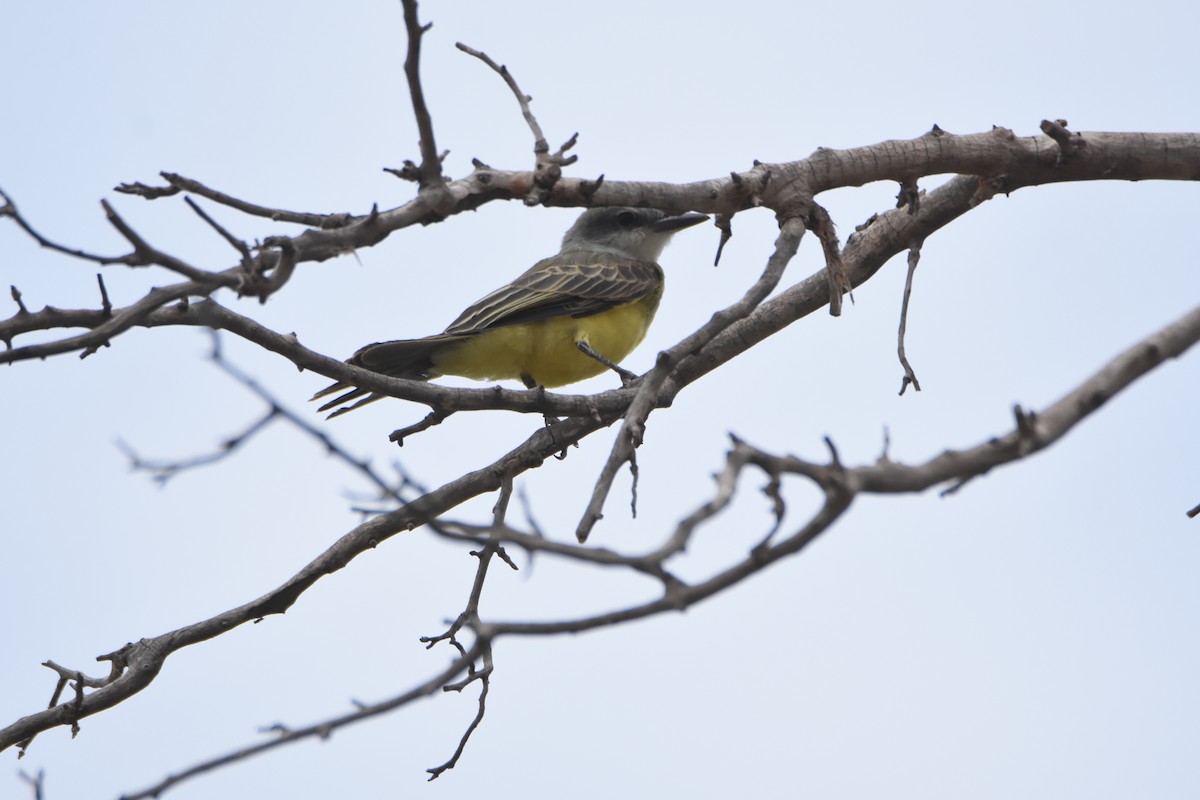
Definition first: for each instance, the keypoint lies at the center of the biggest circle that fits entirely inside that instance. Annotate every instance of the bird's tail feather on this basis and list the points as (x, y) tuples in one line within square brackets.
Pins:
[(403, 358)]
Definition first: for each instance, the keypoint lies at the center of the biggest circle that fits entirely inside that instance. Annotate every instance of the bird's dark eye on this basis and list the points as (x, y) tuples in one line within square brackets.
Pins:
[(627, 219)]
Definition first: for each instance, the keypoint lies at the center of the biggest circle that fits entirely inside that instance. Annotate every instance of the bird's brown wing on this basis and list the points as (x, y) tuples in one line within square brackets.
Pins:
[(575, 284)]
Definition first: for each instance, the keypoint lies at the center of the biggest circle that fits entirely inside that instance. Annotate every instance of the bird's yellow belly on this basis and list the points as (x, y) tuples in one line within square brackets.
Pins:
[(546, 351)]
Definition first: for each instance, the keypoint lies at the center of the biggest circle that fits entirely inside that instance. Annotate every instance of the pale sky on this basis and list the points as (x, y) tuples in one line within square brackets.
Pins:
[(1033, 635)]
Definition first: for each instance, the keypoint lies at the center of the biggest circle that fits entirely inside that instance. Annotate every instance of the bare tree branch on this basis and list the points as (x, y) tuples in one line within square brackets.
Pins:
[(142, 660), (1000, 162), (648, 393), (234, 242), (320, 731), (162, 470), (985, 163), (138, 663)]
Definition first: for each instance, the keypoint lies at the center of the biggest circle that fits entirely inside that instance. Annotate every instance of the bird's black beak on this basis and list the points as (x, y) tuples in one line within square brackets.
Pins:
[(678, 223)]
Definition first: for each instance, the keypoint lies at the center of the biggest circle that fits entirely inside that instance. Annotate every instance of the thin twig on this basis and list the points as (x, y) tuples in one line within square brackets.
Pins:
[(321, 730), (435, 417), (9, 209), (523, 99), (234, 242), (470, 616), (429, 173), (914, 256), (163, 471), (548, 166), (484, 677), (320, 221), (145, 254)]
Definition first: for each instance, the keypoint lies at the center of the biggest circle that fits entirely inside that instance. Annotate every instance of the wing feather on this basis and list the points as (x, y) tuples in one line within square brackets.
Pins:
[(577, 284)]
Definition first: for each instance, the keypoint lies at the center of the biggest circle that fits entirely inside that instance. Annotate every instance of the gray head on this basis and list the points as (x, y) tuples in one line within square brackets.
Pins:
[(639, 233)]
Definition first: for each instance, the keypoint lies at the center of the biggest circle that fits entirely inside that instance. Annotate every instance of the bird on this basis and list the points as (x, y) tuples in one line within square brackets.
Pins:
[(568, 317)]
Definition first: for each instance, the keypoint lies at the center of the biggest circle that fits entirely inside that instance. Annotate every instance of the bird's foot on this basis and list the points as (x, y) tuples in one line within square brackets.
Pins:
[(627, 378)]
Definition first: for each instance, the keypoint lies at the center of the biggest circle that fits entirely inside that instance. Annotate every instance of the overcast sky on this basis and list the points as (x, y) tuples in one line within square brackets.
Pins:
[(1033, 635)]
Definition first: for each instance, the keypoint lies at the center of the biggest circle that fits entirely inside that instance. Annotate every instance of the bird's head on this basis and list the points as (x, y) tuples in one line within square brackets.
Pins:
[(639, 233)]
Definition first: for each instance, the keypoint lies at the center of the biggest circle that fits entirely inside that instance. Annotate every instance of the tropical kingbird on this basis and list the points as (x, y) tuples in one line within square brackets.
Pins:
[(569, 317)]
